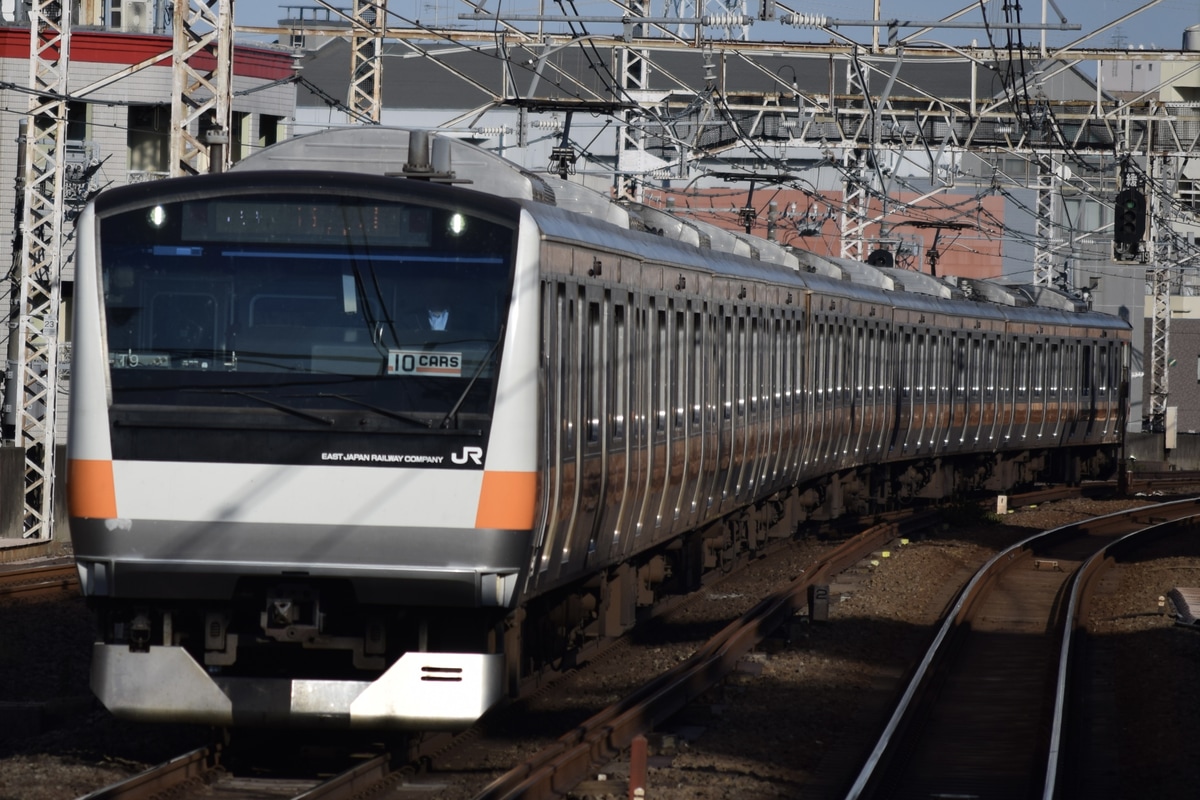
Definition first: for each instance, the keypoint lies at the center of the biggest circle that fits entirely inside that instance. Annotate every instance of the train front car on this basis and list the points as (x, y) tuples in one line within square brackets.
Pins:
[(293, 496)]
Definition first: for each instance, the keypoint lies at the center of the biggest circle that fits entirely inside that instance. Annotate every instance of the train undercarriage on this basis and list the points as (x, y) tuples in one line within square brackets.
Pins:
[(306, 651)]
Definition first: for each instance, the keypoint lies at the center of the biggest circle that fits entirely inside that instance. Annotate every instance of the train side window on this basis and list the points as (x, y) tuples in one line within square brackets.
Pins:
[(679, 374), (1055, 367), (906, 365), (661, 371), (919, 365), (976, 367), (1038, 377), (593, 371), (727, 369), (1022, 369), (935, 367), (992, 363), (620, 373), (1085, 371), (1103, 369), (754, 366), (962, 366), (740, 355), (695, 365)]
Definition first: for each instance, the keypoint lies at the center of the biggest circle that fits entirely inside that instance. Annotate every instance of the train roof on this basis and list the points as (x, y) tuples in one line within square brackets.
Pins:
[(571, 211)]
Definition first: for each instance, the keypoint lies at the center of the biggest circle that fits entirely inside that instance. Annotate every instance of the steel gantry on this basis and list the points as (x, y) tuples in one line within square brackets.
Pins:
[(1045, 223), (32, 376), (366, 62), (201, 97)]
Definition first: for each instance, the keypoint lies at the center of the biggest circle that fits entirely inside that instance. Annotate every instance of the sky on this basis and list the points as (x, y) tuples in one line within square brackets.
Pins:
[(1159, 27)]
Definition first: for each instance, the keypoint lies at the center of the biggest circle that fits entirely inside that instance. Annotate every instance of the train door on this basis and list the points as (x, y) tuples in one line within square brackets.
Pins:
[(905, 342), (725, 370), (867, 410), (1054, 391), (623, 453), (920, 395), (940, 363), (560, 365), (955, 383), (597, 357), (973, 429), (817, 388), (657, 390), (680, 356), (887, 380), (746, 452), (810, 345), (993, 402), (735, 407), (1106, 388), (1087, 390), (1072, 429), (1022, 394), (706, 408)]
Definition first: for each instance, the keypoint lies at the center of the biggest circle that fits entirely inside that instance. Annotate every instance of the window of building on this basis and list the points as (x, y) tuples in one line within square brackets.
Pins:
[(149, 140)]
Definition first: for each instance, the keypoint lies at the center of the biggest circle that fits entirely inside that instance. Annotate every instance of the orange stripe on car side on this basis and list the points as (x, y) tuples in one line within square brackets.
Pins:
[(91, 491), (506, 500)]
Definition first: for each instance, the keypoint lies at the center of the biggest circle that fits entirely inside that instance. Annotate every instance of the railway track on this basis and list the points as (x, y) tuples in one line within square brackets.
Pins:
[(25, 582), (562, 763), (985, 714)]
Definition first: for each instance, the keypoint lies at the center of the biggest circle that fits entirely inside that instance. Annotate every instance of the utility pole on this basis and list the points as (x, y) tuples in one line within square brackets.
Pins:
[(32, 377), (201, 100)]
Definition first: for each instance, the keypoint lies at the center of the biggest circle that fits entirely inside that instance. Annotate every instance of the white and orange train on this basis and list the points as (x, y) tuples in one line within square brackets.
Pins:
[(368, 427)]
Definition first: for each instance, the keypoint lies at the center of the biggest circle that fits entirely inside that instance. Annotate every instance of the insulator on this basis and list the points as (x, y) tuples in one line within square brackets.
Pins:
[(724, 20), (806, 20)]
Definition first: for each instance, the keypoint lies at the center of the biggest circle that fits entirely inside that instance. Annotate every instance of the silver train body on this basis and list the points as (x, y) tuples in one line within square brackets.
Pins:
[(294, 500)]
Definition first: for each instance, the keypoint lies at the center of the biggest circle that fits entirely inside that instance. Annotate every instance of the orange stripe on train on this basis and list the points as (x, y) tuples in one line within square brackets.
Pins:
[(91, 491), (506, 500)]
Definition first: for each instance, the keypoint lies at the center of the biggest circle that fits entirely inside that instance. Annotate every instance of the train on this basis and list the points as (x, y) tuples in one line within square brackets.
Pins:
[(370, 427)]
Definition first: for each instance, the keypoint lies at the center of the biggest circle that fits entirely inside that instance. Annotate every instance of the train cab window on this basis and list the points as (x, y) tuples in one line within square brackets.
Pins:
[(294, 300)]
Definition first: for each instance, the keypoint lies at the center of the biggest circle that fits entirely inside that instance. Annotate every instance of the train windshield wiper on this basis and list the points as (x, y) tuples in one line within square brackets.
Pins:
[(266, 401), (467, 389), (423, 423)]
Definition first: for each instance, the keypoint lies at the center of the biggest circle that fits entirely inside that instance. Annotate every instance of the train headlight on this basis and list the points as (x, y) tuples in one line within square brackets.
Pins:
[(157, 217), (458, 223)]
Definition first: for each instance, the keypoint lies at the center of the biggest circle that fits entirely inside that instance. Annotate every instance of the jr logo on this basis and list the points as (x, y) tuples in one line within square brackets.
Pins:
[(468, 455)]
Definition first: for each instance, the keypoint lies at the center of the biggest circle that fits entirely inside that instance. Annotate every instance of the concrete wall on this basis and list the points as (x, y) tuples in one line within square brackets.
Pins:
[(1145, 451)]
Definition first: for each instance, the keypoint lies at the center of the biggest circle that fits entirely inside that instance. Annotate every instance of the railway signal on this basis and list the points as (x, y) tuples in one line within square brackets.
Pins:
[(1130, 224)]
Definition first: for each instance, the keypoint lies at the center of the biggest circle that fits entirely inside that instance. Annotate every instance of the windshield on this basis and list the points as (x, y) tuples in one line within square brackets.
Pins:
[(305, 302)]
